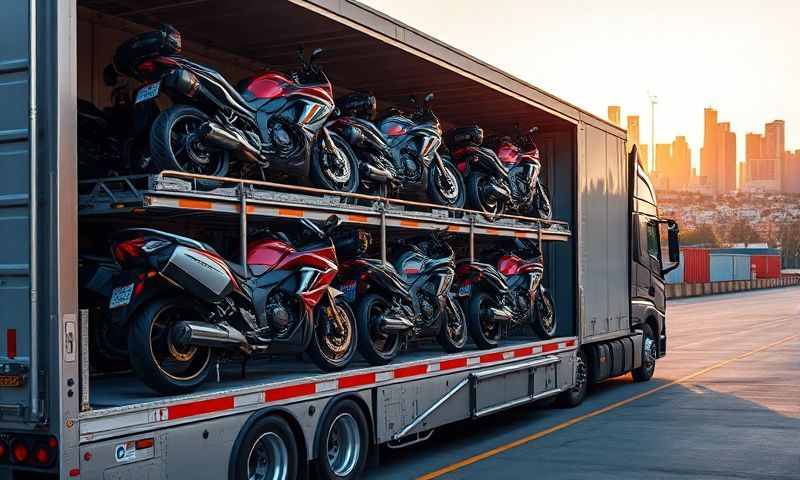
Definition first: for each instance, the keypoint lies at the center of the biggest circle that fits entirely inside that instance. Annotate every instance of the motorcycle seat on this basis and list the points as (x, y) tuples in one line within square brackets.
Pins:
[(230, 89), (239, 270)]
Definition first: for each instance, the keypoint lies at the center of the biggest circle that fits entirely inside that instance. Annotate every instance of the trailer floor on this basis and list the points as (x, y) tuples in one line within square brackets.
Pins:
[(125, 389)]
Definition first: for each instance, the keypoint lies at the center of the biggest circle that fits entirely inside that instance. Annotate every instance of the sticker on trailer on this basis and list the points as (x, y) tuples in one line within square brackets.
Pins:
[(125, 452)]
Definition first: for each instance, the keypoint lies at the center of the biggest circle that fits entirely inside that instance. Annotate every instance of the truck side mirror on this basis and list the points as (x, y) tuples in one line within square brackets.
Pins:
[(674, 247)]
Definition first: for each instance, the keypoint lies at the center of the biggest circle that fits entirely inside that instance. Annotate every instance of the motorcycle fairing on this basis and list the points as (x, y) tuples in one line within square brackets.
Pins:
[(381, 273), (482, 273)]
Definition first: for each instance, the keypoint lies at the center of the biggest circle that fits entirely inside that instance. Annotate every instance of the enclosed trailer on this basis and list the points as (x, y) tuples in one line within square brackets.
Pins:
[(602, 254)]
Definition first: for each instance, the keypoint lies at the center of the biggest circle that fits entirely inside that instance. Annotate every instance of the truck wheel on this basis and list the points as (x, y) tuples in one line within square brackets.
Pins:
[(376, 347), (333, 347), (343, 442), (268, 450), (575, 395), (649, 355), (453, 334), (484, 332), (163, 365)]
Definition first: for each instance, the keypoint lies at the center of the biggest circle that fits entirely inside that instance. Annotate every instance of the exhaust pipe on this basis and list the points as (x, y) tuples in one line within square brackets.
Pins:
[(498, 314), (378, 174), (394, 325), (498, 191), (217, 136), (205, 334)]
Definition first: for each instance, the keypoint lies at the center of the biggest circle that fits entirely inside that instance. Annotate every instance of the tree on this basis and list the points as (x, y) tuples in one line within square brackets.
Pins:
[(743, 232), (702, 236), (789, 239)]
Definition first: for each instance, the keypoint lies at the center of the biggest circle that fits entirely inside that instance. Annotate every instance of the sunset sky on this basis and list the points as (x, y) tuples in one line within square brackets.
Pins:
[(739, 57)]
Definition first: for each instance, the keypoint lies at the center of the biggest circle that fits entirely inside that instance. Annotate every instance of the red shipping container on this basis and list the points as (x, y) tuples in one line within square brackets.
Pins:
[(766, 266), (695, 265)]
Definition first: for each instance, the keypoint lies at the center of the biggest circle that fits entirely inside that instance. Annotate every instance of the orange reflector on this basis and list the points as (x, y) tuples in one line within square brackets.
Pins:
[(520, 234), (290, 212), (492, 231), (199, 204), (144, 443), (453, 228), (409, 223), (357, 218)]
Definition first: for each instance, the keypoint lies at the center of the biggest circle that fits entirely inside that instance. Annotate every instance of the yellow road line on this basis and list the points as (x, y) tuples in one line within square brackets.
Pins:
[(593, 413)]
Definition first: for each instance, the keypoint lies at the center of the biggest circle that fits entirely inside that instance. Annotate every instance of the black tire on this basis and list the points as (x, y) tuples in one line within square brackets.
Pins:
[(270, 439), (544, 315), (574, 396), (458, 196), (377, 348), (150, 365), (321, 177), (484, 334), (476, 199), (343, 442), (453, 334), (649, 355), (332, 350), (164, 152), (542, 207)]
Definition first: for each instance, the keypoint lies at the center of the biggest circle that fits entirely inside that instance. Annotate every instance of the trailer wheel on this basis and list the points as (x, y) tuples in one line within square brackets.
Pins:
[(343, 442), (267, 451), (649, 354), (574, 396)]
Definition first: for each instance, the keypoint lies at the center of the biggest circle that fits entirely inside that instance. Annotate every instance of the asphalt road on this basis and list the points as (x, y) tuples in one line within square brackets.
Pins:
[(724, 403)]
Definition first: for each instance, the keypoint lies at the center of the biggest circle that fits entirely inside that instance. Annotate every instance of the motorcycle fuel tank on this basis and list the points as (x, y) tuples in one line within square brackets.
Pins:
[(268, 253)]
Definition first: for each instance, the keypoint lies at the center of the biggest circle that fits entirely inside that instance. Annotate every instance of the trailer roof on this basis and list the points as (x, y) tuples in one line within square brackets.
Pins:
[(365, 50)]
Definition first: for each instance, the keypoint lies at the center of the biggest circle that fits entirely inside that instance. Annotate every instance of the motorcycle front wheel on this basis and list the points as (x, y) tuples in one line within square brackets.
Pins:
[(176, 143), (162, 364), (478, 199), (544, 315), (543, 207), (333, 346), (377, 347), (449, 192), (453, 334), (337, 171)]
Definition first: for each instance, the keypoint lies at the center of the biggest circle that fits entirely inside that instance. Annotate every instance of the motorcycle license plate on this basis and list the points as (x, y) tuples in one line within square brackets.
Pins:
[(148, 92), (121, 296), (349, 290), (464, 290)]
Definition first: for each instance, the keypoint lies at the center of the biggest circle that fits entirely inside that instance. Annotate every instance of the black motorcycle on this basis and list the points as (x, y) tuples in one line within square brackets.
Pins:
[(272, 123), (501, 177), (407, 299), (114, 140), (507, 295), (400, 152), (185, 304)]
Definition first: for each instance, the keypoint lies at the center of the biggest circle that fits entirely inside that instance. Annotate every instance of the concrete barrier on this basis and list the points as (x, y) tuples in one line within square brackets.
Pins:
[(683, 290)]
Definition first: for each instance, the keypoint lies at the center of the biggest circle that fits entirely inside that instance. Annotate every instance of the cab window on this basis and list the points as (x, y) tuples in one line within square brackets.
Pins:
[(652, 241)]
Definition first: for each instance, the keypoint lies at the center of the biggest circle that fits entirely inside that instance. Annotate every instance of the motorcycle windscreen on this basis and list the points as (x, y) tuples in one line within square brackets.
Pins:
[(202, 275)]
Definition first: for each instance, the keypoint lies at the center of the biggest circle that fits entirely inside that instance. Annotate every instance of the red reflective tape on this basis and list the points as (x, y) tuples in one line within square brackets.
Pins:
[(492, 357), (549, 347), (282, 393), (523, 352), (199, 408), (11, 343), (454, 363), (357, 380), (570, 343), (410, 371)]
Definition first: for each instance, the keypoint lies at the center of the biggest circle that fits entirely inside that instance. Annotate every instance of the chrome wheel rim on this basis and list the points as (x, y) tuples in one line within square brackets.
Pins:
[(649, 352), (268, 458), (179, 362), (343, 445), (450, 194)]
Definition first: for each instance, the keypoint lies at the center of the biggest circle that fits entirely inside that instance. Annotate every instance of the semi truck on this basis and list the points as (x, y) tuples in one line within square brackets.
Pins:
[(281, 418)]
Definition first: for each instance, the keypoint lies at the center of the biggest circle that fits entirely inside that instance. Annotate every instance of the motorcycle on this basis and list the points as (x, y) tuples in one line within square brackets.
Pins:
[(185, 304), (114, 140), (408, 299), (399, 153), (498, 299), (272, 123), (502, 178)]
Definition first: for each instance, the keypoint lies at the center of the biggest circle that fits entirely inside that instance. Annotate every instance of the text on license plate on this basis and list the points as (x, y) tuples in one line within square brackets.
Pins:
[(464, 290), (147, 92), (121, 296)]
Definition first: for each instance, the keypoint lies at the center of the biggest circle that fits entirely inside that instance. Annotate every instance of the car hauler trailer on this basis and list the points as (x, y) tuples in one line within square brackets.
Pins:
[(602, 256)]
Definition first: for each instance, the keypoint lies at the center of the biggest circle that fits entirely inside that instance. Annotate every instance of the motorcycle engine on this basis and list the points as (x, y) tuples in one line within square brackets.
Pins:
[(520, 185), (280, 313), (410, 167)]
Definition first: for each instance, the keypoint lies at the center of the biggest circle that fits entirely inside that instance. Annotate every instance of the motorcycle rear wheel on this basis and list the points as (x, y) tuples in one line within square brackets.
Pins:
[(544, 316), (453, 334), (484, 333), (477, 199), (376, 347), (437, 193), (332, 350), (175, 145)]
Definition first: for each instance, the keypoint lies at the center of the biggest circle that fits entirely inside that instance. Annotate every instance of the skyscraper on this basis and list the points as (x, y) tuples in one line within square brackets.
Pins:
[(726, 159), (613, 114), (792, 172), (633, 131), (774, 149), (663, 160), (766, 160), (682, 163), (718, 155), (709, 166)]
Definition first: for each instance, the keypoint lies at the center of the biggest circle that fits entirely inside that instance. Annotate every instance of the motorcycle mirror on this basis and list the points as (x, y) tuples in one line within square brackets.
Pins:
[(533, 130), (332, 222), (311, 226), (110, 77), (412, 100), (316, 53), (429, 98)]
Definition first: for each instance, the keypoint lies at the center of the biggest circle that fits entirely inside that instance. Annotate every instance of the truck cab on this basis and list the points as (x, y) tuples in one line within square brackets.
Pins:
[(652, 239)]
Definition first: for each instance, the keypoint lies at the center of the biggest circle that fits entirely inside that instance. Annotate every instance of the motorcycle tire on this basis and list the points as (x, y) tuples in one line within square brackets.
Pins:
[(184, 117), (542, 207), (483, 338), (476, 199), (544, 306), (321, 352), (366, 309), (457, 198), (148, 364), (321, 179), (453, 333)]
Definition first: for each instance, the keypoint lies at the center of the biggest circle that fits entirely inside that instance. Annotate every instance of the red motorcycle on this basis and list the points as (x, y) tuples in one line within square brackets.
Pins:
[(274, 123), (511, 295), (503, 176), (185, 303)]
